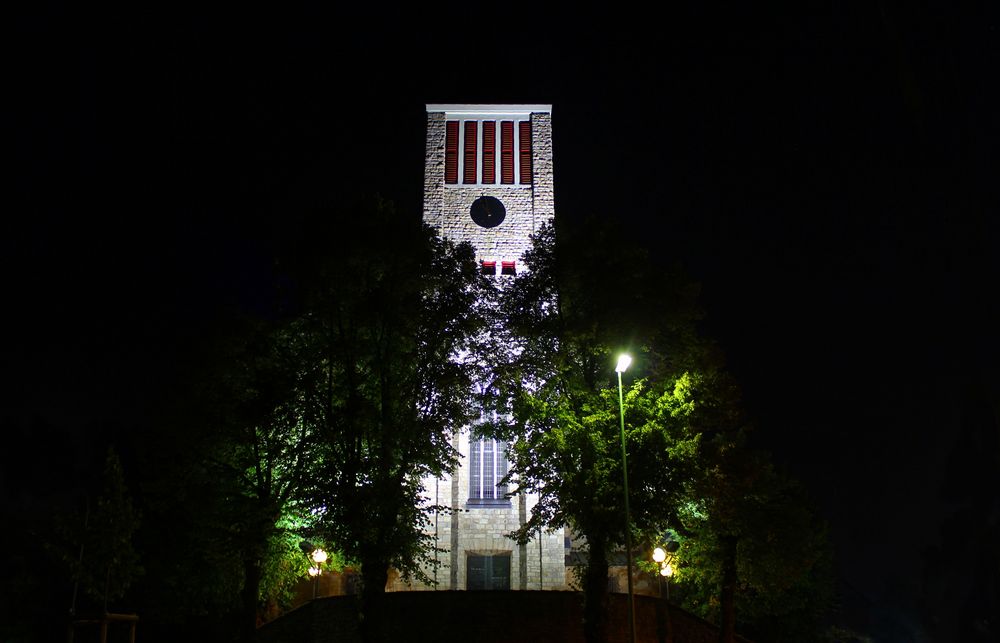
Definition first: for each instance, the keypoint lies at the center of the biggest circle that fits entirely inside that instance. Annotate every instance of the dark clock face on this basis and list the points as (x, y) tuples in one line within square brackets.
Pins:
[(488, 212)]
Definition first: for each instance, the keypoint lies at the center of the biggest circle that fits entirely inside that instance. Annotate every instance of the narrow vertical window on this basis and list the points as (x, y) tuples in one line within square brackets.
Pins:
[(524, 143), (469, 158), (489, 479), (475, 469), (451, 152), (489, 151), (487, 467), (501, 470), (506, 151)]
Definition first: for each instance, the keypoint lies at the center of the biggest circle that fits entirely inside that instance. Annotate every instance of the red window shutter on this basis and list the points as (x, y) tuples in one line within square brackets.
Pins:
[(489, 268), (451, 152), (506, 151), (524, 135), (507, 268), (469, 175), (489, 151)]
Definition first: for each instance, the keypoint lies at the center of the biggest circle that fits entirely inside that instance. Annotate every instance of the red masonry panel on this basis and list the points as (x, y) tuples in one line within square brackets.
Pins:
[(469, 175), (489, 152), (451, 152), (506, 151), (524, 141)]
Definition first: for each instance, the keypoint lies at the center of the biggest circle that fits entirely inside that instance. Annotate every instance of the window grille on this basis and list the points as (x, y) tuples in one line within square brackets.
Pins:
[(487, 467)]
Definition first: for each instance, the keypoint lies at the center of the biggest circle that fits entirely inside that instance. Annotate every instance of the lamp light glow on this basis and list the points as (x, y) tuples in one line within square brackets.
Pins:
[(659, 555), (623, 363), (314, 571), (319, 556), (667, 570)]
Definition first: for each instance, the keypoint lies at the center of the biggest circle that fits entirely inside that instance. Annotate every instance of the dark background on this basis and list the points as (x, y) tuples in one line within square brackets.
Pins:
[(826, 171)]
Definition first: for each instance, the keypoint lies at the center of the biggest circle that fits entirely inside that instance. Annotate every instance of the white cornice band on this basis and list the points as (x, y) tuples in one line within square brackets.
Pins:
[(490, 110)]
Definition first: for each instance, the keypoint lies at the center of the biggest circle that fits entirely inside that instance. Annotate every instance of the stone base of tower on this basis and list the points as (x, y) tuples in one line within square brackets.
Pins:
[(474, 550)]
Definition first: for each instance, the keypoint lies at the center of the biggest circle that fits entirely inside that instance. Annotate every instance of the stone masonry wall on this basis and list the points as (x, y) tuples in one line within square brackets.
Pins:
[(446, 207), (483, 529)]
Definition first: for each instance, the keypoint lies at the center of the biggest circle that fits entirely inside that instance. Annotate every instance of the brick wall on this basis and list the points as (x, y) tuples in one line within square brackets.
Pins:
[(486, 617)]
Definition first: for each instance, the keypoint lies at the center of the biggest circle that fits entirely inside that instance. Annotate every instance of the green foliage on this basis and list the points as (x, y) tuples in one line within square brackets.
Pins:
[(383, 320), (239, 460), (586, 297), (742, 512), (742, 525)]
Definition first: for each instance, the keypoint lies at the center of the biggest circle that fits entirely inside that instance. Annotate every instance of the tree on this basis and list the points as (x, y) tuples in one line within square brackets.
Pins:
[(233, 495), (753, 551), (97, 545), (585, 296), (388, 322)]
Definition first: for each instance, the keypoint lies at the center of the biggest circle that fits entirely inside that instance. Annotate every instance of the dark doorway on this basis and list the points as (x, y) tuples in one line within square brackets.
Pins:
[(488, 572)]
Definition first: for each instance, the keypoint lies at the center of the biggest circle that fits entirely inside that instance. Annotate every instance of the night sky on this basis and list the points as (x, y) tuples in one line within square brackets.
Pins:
[(826, 171)]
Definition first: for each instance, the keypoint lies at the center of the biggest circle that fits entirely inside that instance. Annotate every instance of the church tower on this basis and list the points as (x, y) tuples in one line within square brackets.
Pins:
[(488, 177), (488, 181)]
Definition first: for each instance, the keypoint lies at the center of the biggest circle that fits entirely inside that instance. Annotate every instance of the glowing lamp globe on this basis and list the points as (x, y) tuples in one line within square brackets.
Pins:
[(659, 555)]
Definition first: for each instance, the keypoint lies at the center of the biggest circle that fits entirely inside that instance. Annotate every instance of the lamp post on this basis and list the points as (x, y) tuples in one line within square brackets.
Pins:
[(623, 363), (661, 557), (666, 569), (318, 557)]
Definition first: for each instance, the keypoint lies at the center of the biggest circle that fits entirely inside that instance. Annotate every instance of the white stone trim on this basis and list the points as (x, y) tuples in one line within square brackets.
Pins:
[(473, 111)]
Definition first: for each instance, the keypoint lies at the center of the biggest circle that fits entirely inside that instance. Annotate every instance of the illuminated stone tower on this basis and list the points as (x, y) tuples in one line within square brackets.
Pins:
[(488, 180)]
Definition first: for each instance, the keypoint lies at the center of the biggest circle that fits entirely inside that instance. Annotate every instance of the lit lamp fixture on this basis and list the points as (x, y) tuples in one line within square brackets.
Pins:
[(318, 557), (660, 557), (623, 363)]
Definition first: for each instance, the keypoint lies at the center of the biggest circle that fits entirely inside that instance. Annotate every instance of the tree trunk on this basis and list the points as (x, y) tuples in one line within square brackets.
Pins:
[(374, 575), (727, 600), (251, 590), (595, 594)]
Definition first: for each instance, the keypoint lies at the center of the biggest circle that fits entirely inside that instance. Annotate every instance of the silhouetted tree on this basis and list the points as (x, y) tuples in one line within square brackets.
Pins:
[(389, 314), (754, 554)]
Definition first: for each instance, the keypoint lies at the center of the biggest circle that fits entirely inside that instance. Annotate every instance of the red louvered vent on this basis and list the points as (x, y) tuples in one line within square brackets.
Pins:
[(489, 152), (524, 135), (507, 268), (506, 151), (451, 152), (489, 268), (469, 158)]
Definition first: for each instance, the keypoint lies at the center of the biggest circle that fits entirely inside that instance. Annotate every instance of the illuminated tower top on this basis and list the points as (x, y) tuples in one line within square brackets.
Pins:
[(488, 177)]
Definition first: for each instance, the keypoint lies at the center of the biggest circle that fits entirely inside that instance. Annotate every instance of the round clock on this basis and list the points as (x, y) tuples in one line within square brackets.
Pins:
[(488, 212)]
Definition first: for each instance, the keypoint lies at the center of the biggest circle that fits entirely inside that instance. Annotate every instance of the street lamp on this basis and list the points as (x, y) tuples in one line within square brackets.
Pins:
[(663, 558), (318, 557), (623, 363)]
